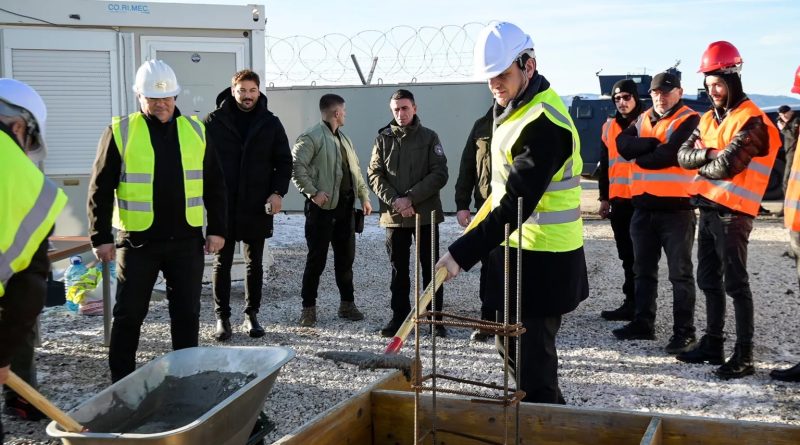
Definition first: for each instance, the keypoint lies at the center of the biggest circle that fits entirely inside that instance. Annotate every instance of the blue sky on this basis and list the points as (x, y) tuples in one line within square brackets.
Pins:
[(574, 39)]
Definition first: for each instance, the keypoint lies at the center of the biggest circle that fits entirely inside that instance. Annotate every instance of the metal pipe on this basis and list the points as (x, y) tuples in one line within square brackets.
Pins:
[(417, 375), (518, 360)]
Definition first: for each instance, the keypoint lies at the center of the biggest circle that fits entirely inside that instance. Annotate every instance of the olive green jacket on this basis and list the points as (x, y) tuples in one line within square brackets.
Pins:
[(317, 165), (408, 162)]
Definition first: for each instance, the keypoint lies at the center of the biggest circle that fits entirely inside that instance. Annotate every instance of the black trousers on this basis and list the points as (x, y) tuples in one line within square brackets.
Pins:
[(794, 243), (652, 230), (722, 268), (487, 313), (181, 261), (398, 246), (620, 217), (23, 301), (333, 227), (253, 252), (539, 366)]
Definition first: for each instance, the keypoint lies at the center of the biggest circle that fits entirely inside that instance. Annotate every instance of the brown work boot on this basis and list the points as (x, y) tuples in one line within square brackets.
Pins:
[(308, 318), (349, 311)]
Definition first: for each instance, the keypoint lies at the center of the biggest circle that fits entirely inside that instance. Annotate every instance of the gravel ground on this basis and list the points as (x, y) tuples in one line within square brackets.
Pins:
[(596, 370)]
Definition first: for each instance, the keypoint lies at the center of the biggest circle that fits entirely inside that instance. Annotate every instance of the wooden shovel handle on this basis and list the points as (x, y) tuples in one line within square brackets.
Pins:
[(36, 399)]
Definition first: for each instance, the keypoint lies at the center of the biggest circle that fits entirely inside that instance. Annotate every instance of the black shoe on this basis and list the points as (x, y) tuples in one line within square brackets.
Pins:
[(739, 365), (708, 350), (680, 343), (763, 211), (439, 331), (21, 409), (480, 337), (391, 328), (634, 331), (223, 332), (787, 375), (252, 327), (622, 313)]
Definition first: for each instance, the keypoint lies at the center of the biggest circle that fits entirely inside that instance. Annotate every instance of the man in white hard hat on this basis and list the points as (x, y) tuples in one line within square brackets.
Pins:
[(155, 172), (30, 205), (535, 156)]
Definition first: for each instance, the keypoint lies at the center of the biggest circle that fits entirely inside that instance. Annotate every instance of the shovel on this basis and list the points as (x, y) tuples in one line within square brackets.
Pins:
[(390, 358), (36, 399)]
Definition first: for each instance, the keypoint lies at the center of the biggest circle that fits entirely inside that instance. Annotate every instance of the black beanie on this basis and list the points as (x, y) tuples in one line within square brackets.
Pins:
[(628, 86), (734, 84)]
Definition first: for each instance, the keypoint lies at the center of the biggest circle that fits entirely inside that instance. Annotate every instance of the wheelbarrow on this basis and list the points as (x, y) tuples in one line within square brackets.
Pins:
[(230, 421)]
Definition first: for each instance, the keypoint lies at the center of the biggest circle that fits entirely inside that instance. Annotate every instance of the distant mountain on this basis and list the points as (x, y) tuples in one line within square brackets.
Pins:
[(762, 100)]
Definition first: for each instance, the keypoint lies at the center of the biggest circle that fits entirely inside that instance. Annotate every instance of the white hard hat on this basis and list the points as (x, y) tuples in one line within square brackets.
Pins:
[(155, 79), (21, 95), (496, 48)]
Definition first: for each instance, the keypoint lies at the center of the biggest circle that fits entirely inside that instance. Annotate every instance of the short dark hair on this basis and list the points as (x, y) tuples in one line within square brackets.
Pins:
[(403, 94), (328, 101), (243, 75), (783, 108)]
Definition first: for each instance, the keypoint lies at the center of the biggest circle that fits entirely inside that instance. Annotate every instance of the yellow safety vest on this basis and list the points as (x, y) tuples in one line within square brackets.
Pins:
[(133, 209), (556, 224), (31, 204)]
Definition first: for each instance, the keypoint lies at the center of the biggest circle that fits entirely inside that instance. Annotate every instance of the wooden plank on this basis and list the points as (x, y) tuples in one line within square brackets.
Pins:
[(393, 413), (653, 434), (348, 422)]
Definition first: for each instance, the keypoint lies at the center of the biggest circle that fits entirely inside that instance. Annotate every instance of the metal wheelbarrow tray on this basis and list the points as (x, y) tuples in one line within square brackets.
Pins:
[(228, 422)]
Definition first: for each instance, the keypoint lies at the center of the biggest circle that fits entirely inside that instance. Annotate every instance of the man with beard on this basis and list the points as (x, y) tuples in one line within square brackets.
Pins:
[(734, 148), (254, 153), (615, 188)]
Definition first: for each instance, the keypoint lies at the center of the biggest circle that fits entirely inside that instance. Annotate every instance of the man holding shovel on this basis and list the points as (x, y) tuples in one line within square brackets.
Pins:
[(31, 203), (535, 156)]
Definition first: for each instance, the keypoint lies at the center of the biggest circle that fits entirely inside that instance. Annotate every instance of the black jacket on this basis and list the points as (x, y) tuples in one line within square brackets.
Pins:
[(552, 282), (651, 153), (255, 167), (169, 208), (475, 170)]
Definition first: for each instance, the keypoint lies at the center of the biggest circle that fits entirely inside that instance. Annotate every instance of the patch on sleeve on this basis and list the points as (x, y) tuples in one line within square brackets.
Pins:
[(438, 149)]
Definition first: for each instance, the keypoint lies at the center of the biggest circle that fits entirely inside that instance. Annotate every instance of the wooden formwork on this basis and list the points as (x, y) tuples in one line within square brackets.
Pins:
[(383, 414)]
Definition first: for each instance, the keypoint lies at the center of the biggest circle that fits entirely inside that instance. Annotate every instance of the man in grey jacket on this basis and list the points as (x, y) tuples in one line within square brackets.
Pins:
[(407, 169), (326, 171)]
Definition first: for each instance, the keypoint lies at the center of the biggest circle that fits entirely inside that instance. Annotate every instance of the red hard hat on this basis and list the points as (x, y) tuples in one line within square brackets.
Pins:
[(719, 56), (796, 86)]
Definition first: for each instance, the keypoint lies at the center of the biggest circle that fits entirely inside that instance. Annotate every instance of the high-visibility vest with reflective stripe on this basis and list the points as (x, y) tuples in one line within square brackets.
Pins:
[(791, 202), (743, 192), (620, 170), (556, 224), (30, 205), (133, 210), (670, 182)]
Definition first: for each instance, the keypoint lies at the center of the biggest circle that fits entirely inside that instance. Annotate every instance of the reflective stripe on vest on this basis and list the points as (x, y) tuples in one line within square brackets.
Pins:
[(619, 168), (743, 192), (555, 224), (134, 204), (670, 182), (31, 205), (791, 205)]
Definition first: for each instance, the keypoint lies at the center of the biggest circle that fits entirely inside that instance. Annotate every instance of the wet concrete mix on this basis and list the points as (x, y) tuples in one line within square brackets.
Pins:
[(174, 403)]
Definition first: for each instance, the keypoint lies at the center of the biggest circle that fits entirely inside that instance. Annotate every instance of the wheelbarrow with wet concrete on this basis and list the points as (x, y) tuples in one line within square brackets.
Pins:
[(204, 395)]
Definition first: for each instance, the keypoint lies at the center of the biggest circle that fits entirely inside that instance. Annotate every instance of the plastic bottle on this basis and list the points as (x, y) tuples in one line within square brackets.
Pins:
[(112, 268), (73, 273)]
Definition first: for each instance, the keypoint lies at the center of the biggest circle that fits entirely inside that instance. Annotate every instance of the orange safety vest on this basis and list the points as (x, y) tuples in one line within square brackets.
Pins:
[(744, 191), (670, 182), (791, 203), (619, 169)]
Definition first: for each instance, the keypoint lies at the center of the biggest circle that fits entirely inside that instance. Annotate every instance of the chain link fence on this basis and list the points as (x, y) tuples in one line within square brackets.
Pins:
[(401, 54)]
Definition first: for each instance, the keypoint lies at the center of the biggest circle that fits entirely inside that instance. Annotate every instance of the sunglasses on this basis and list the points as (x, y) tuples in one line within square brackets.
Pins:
[(621, 97)]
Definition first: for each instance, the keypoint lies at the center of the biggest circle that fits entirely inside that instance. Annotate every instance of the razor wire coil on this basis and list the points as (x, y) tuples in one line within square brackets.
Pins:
[(402, 54)]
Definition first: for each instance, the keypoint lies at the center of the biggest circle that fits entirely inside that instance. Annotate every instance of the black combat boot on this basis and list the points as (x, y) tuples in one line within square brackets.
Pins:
[(223, 332), (739, 365), (622, 313), (787, 375), (252, 327), (708, 350)]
